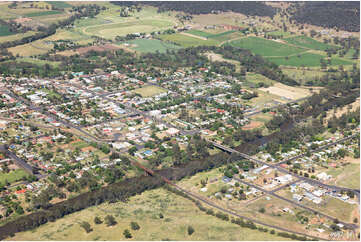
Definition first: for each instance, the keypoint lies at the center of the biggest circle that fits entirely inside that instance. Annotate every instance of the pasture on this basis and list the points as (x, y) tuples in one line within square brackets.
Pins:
[(308, 42), (150, 45), (266, 47), (145, 209), (13, 37), (306, 59), (59, 4)]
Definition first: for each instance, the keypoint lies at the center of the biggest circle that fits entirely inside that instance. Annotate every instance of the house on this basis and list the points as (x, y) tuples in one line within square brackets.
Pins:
[(297, 197)]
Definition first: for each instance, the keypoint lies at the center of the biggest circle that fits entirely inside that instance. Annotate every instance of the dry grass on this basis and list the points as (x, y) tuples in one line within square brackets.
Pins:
[(288, 92)]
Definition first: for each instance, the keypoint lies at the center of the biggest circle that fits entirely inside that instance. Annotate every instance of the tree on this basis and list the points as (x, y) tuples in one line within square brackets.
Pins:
[(86, 226), (110, 220), (262, 210), (97, 220), (127, 234), (134, 226), (190, 230)]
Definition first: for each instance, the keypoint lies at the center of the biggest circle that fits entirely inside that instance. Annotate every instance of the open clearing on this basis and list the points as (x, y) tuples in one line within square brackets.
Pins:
[(285, 91), (150, 45), (12, 176), (149, 91), (340, 111), (42, 13), (347, 176), (144, 209)]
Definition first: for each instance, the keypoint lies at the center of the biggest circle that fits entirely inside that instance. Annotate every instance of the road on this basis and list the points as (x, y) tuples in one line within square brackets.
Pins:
[(273, 193), (277, 167), (318, 149)]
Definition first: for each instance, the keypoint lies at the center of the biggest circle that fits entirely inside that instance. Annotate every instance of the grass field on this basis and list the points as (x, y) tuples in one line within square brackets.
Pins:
[(347, 176), (58, 4), (308, 42), (151, 45), (257, 78), (149, 91), (12, 176), (187, 41), (266, 47), (307, 60), (38, 61), (280, 33), (34, 48), (302, 76), (13, 37), (144, 209), (42, 13), (4, 30)]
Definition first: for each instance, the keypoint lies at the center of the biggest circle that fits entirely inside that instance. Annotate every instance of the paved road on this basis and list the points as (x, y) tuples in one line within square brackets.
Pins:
[(272, 193)]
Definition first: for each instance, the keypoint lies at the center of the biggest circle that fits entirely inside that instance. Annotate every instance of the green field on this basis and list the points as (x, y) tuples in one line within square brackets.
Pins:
[(187, 41), (58, 4), (144, 209), (4, 30), (308, 42), (12, 176), (223, 36), (266, 47), (280, 33), (306, 59), (43, 13), (199, 33), (151, 45)]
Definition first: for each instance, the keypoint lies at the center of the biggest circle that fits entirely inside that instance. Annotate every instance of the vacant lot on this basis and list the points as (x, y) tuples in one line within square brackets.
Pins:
[(144, 209), (289, 92), (149, 91), (266, 47), (303, 75), (151, 45), (106, 47), (308, 42)]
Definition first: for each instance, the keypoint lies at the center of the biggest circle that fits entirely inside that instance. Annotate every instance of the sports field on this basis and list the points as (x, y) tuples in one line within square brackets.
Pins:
[(308, 42), (149, 91), (266, 47), (187, 41), (108, 23), (151, 45)]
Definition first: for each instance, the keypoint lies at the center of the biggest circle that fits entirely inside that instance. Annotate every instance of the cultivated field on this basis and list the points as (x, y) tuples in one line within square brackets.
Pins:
[(306, 59), (264, 47), (144, 209), (308, 42), (187, 41)]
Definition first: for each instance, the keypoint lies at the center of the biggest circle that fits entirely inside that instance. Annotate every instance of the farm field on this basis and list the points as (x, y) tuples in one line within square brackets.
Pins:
[(307, 60), (266, 47), (38, 61), (144, 209), (149, 91), (58, 4), (34, 48), (150, 45), (308, 42), (280, 33), (187, 41), (4, 30)]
